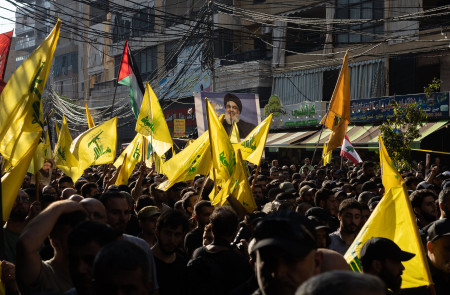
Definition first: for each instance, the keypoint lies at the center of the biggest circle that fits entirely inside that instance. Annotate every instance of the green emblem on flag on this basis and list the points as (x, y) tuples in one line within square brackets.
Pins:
[(37, 104), (229, 165), (350, 149), (62, 152), (136, 153), (149, 126), (250, 143), (98, 149)]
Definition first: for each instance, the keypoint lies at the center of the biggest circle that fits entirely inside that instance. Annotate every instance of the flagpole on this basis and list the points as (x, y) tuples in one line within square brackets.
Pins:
[(317, 143), (114, 98), (36, 179)]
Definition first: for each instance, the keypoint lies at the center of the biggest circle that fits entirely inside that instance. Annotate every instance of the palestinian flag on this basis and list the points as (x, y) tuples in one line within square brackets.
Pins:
[(129, 76), (349, 152)]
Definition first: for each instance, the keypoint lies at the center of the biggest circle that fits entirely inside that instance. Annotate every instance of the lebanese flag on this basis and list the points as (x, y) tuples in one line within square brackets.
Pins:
[(129, 76), (349, 152)]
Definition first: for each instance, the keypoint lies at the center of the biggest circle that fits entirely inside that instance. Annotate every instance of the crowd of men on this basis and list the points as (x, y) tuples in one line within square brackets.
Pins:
[(94, 237)]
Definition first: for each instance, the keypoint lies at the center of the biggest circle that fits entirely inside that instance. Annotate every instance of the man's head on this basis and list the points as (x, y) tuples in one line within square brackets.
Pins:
[(90, 190), (444, 202), (117, 210), (258, 193), (340, 282), (438, 245), (202, 212), (147, 217), (67, 193), (350, 216), (325, 199), (368, 169), (424, 205), (233, 108), (383, 258), (65, 182), (48, 165), (20, 208), (285, 250), (307, 161), (224, 223), (85, 241), (122, 267), (95, 209), (170, 229), (50, 190)]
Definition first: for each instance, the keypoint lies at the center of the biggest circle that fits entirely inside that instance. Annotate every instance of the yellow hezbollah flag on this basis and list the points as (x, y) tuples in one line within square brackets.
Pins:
[(133, 152), (64, 159), (193, 160), (96, 146), (234, 134), (43, 152), (326, 155), (252, 147), (237, 186), (123, 176), (338, 115), (12, 180), (393, 218), (89, 117), (21, 101), (57, 130), (152, 124), (389, 175), (222, 151)]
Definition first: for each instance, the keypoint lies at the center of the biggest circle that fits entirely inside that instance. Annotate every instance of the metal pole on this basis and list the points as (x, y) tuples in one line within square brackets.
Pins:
[(114, 98), (317, 143)]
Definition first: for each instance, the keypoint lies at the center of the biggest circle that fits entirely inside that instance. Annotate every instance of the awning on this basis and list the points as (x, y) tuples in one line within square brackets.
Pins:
[(359, 135), (286, 138)]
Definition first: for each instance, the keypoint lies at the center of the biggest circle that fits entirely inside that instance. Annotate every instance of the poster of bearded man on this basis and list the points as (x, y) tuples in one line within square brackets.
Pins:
[(241, 108)]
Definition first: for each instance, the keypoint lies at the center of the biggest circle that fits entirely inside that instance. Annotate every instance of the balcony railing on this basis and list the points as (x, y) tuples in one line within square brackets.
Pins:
[(236, 58)]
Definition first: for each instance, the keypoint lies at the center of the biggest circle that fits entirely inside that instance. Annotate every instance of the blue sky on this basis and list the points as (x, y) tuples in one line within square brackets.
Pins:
[(5, 24)]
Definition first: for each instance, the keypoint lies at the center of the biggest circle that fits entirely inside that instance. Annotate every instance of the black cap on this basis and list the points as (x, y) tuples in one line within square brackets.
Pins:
[(287, 231), (381, 248), (438, 229)]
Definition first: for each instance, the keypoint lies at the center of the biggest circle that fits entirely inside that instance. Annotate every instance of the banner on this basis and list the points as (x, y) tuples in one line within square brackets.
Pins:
[(244, 105)]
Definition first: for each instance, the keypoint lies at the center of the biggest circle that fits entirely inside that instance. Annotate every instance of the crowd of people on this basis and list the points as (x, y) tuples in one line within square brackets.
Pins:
[(94, 237)]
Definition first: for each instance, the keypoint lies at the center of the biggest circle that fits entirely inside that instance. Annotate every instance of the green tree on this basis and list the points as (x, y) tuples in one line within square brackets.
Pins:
[(400, 131)]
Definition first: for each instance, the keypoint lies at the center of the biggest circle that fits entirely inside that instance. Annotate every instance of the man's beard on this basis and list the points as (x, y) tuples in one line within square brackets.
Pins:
[(230, 120)]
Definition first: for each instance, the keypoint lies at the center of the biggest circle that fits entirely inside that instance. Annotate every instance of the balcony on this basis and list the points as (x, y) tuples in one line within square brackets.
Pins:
[(25, 44)]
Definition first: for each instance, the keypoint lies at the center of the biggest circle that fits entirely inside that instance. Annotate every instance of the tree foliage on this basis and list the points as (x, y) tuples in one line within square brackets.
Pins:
[(400, 131), (434, 86)]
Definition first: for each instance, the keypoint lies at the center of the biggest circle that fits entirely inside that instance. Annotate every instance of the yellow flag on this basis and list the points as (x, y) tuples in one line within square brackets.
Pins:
[(234, 134), (123, 176), (193, 160), (338, 115), (12, 180), (389, 175), (223, 154), (237, 186), (43, 152), (21, 101), (393, 218), (64, 159), (252, 147), (89, 117), (48, 147), (152, 124), (96, 146), (326, 155), (57, 130), (134, 152)]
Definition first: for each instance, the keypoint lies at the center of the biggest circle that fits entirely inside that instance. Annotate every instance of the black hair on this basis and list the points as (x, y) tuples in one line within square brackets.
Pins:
[(86, 188), (200, 205), (144, 201), (121, 256), (322, 195), (111, 194), (88, 231), (417, 197), (444, 196), (65, 178), (172, 219), (349, 204), (71, 220), (224, 222)]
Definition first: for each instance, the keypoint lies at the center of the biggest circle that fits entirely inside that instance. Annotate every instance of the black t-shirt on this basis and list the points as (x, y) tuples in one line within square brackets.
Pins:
[(171, 276), (192, 241), (217, 273), (133, 228)]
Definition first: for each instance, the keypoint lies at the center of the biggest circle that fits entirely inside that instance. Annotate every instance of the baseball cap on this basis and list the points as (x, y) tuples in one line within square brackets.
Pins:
[(288, 187), (288, 231), (381, 248), (148, 211), (438, 229)]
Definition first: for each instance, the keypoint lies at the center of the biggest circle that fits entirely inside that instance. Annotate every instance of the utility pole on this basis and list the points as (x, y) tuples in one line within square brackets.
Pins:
[(211, 40)]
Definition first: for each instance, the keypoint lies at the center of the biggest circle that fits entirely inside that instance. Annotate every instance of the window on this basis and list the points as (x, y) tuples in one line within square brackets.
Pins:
[(121, 28), (143, 22), (359, 9), (98, 11), (146, 61), (170, 56)]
